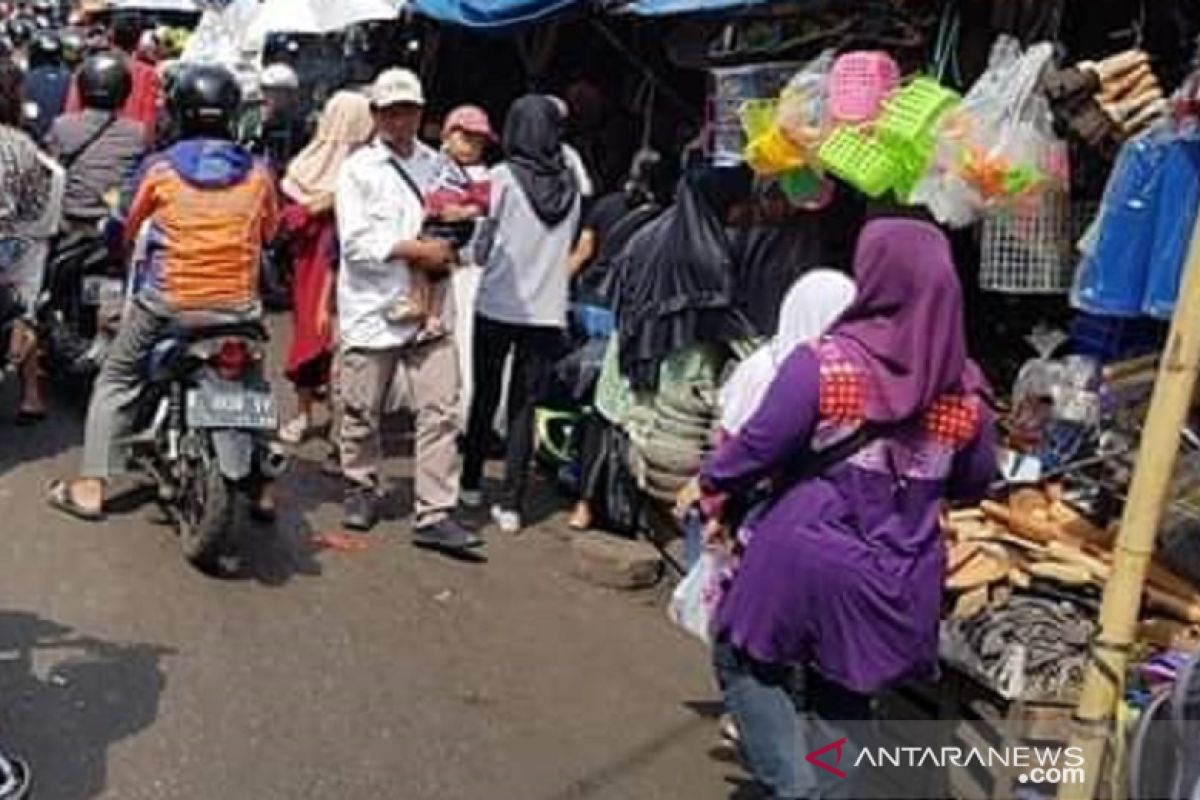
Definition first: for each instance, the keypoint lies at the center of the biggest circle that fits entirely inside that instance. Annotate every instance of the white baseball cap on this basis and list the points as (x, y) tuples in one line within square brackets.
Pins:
[(396, 86)]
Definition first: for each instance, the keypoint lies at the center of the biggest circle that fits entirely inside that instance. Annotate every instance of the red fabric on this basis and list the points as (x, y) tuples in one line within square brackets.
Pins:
[(313, 249), (478, 194), (843, 392), (142, 105)]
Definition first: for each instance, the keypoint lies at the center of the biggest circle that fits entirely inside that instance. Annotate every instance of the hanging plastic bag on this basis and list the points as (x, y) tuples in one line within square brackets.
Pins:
[(783, 133), (998, 148), (694, 601)]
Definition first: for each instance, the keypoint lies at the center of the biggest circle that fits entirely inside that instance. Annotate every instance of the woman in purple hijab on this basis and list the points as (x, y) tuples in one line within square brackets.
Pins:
[(838, 588)]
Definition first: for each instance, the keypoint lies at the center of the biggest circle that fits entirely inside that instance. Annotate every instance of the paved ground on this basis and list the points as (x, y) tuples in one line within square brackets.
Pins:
[(387, 673)]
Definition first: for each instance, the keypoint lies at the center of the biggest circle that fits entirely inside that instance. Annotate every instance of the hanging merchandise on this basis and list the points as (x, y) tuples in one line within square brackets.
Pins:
[(1133, 265), (907, 128), (861, 161), (997, 148), (894, 152), (1179, 199), (782, 132), (732, 88), (782, 135), (859, 83), (676, 279), (1104, 103), (1030, 253)]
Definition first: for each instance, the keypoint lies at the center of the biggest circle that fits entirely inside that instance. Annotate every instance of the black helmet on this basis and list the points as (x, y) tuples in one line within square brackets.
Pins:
[(72, 46), (20, 31), (45, 51), (206, 98), (105, 81)]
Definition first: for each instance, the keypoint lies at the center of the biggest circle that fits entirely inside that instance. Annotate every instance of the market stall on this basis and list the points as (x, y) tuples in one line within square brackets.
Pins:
[(1068, 169)]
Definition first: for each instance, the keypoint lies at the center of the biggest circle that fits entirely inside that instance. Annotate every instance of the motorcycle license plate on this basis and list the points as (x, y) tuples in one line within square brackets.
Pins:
[(240, 407), (98, 290)]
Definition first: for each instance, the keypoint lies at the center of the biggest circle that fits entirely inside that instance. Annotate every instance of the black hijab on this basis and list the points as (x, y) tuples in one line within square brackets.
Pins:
[(533, 147)]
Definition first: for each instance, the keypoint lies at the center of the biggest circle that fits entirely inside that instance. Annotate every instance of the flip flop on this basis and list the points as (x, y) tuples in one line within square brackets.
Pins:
[(59, 497)]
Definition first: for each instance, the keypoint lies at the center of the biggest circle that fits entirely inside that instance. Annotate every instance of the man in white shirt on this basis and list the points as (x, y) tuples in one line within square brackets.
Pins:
[(380, 209)]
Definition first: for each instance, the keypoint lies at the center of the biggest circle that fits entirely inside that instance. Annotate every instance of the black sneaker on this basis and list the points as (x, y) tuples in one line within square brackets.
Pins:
[(448, 535), (360, 509)]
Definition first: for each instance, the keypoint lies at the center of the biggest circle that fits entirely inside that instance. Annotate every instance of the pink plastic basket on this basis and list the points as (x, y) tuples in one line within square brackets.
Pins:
[(859, 83)]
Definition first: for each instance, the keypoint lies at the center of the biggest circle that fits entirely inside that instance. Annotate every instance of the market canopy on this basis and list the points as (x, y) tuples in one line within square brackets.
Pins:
[(322, 16), (495, 15), (656, 8)]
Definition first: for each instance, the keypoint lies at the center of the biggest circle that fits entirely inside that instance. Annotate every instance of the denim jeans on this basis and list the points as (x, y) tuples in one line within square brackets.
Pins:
[(782, 714)]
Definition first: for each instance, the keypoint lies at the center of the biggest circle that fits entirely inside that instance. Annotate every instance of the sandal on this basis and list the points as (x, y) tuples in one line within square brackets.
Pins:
[(296, 430), (59, 497)]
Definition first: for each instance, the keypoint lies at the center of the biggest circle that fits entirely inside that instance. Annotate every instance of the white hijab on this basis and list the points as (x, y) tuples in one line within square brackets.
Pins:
[(811, 306)]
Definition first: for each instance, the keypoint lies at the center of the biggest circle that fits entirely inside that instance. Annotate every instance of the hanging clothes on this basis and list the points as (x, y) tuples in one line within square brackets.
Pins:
[(1137, 251), (676, 281), (777, 244)]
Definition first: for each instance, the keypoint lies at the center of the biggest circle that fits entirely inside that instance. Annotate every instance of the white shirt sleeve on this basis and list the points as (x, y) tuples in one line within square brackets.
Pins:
[(366, 238), (575, 162)]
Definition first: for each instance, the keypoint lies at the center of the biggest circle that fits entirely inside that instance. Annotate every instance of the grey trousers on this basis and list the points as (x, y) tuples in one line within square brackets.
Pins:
[(123, 376), (431, 371), (110, 414)]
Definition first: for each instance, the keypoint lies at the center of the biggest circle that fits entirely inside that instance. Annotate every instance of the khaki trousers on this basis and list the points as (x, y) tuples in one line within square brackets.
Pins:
[(431, 371)]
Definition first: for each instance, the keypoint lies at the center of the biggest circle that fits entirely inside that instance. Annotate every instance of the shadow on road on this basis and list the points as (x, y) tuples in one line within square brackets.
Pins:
[(274, 554), (65, 699), (60, 432)]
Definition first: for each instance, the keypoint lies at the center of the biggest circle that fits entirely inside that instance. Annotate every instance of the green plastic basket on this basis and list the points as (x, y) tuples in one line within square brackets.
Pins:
[(910, 116), (861, 161)]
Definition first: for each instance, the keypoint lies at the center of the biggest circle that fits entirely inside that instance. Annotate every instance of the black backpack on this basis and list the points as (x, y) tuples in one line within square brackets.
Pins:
[(1164, 755)]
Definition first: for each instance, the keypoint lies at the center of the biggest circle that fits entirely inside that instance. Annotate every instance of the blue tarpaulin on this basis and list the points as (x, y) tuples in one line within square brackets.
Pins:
[(495, 15), (655, 8)]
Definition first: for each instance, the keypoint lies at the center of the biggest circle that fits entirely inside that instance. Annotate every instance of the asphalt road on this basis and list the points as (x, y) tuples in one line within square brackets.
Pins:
[(384, 673)]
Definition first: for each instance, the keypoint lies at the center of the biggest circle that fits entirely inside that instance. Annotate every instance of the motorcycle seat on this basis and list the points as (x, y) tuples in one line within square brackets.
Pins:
[(253, 329)]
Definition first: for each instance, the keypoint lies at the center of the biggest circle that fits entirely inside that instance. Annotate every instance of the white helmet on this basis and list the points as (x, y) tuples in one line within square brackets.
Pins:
[(279, 76)]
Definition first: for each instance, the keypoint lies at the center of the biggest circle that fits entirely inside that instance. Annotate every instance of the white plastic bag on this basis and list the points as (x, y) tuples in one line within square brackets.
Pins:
[(998, 148), (694, 601)]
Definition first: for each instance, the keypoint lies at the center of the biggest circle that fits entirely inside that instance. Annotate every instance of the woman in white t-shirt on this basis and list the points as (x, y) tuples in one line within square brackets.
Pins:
[(522, 305)]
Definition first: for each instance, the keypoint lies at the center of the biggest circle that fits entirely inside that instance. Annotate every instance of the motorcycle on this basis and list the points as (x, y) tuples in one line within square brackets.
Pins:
[(80, 288), (205, 433)]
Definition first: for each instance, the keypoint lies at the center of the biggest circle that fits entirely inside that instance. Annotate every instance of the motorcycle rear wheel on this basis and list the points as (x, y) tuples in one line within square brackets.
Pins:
[(205, 511)]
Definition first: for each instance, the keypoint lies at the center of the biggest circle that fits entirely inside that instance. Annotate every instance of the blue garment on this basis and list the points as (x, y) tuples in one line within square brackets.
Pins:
[(1145, 227), (495, 15), (211, 163), (47, 88), (1112, 280), (1179, 199)]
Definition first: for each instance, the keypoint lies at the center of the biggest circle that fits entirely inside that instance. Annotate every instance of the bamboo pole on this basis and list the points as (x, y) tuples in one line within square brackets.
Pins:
[(1134, 546)]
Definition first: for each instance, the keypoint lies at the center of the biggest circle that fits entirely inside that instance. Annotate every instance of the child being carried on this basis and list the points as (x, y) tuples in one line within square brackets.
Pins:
[(458, 200)]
